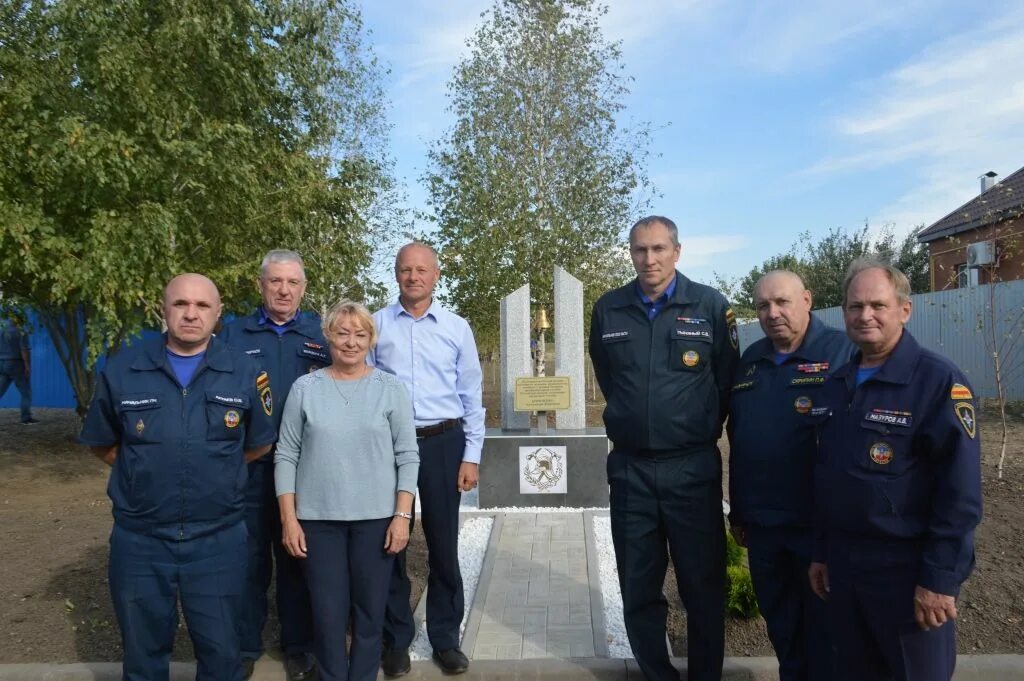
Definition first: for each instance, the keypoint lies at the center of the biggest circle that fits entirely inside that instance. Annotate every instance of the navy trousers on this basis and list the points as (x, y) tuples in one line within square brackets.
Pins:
[(263, 521), (440, 458), (871, 612), (797, 619), (147, 576), (660, 500), (348, 572), (13, 371)]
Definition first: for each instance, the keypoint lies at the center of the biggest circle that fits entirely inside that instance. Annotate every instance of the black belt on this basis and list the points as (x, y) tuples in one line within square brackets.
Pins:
[(437, 428)]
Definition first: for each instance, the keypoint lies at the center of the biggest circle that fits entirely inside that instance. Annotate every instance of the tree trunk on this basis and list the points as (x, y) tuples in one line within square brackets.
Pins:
[(67, 331)]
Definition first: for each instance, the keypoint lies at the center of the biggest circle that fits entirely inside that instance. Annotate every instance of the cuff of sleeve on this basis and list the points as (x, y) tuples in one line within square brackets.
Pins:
[(471, 455), (938, 580)]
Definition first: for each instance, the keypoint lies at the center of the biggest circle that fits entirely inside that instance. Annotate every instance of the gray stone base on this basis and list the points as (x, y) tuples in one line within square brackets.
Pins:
[(586, 479)]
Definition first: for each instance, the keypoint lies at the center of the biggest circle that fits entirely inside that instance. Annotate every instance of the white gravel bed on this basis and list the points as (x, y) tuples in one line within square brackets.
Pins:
[(473, 539), (615, 628)]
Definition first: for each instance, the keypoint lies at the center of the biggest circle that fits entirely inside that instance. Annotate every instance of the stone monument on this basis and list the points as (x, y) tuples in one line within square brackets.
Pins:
[(564, 466)]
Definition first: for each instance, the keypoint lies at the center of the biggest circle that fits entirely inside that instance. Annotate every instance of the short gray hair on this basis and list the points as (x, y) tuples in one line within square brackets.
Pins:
[(349, 308), (652, 220), (281, 255), (898, 279)]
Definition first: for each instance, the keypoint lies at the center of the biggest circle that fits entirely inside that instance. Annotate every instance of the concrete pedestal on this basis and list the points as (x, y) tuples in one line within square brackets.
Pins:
[(524, 468)]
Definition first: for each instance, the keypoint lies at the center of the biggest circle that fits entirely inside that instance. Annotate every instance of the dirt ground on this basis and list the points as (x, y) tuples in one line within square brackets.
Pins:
[(55, 521)]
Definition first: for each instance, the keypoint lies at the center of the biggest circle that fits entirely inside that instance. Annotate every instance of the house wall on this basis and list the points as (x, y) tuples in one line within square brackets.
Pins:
[(945, 254)]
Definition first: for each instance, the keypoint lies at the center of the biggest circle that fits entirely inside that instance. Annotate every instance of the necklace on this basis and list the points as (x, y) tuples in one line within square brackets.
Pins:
[(347, 399)]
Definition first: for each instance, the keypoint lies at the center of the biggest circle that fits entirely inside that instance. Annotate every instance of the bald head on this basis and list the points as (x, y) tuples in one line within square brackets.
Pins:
[(191, 309), (783, 307)]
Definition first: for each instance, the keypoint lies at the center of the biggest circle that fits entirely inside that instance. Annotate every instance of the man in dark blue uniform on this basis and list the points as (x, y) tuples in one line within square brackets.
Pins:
[(771, 458), (664, 350), (16, 367), (177, 418), (897, 491), (286, 343)]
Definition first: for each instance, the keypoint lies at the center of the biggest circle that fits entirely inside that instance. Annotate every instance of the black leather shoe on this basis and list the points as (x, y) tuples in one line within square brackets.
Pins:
[(395, 662), (300, 666), (248, 665), (452, 661)]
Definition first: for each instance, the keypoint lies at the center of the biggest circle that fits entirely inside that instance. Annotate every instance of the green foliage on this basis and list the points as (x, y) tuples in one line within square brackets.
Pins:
[(733, 551), (823, 264), (142, 139), (536, 171), (740, 599)]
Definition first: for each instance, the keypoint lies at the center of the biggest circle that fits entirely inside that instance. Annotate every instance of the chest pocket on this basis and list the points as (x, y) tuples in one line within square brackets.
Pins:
[(313, 358), (142, 420), (886, 448), (225, 415), (690, 346)]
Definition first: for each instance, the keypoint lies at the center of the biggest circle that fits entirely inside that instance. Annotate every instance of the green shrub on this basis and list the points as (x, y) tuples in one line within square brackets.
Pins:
[(740, 599), (733, 551)]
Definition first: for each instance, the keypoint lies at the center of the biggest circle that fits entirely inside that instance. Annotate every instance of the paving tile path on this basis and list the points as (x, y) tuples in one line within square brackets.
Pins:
[(535, 598)]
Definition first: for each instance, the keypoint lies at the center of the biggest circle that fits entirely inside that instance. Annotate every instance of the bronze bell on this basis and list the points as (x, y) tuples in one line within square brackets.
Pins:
[(541, 322)]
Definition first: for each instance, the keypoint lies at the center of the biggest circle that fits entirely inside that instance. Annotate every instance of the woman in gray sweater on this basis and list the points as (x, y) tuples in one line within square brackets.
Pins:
[(345, 470)]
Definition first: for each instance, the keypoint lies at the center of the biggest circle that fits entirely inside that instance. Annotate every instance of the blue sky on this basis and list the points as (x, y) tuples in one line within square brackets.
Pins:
[(771, 118)]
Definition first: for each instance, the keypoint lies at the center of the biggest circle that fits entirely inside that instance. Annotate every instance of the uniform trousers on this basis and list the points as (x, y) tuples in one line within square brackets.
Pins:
[(147, 575), (348, 571), (263, 521), (797, 619), (871, 612), (440, 459), (13, 371), (661, 499)]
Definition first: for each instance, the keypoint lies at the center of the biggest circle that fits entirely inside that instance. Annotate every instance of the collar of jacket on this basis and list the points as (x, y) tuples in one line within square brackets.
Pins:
[(899, 366), (625, 296), (154, 355)]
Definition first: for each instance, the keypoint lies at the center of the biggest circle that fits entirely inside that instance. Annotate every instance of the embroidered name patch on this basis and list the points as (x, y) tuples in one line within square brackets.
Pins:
[(745, 385), (807, 380), (145, 402), (611, 336), (890, 417), (687, 333)]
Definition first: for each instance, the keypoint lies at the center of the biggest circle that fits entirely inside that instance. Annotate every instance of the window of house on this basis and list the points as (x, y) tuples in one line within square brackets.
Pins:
[(966, 276)]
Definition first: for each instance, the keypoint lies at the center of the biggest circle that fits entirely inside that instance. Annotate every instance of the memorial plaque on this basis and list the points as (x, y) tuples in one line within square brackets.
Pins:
[(542, 393)]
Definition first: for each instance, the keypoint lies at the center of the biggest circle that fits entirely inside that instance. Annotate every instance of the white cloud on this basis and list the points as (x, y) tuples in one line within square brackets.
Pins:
[(951, 113)]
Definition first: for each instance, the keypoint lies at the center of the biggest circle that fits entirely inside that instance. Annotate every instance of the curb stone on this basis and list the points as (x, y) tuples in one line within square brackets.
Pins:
[(969, 668)]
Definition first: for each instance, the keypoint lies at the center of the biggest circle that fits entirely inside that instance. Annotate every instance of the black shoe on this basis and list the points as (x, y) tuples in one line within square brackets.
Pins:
[(248, 665), (29, 421), (300, 666), (395, 662), (452, 661)]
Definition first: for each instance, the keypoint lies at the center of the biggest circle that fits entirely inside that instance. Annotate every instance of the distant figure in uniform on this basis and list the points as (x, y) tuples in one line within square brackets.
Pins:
[(897, 491), (664, 350), (286, 343), (16, 367), (771, 460), (433, 353), (177, 418)]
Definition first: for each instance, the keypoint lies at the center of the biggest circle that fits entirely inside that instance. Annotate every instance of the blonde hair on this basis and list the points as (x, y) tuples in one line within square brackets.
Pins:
[(350, 308), (898, 280)]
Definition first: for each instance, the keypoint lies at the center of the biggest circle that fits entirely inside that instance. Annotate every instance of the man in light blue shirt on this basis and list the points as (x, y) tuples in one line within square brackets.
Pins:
[(433, 352)]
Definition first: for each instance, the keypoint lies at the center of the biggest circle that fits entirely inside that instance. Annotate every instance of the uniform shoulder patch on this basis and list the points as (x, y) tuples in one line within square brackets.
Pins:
[(263, 388), (734, 334), (965, 412), (959, 391)]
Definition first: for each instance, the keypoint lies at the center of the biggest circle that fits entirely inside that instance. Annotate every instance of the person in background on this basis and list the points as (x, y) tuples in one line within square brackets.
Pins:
[(287, 343), (345, 472), (16, 366), (772, 445)]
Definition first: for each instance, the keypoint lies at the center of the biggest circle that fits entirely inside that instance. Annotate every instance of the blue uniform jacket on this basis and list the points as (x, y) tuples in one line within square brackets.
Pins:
[(666, 380), (180, 470), (772, 439), (300, 350), (899, 461)]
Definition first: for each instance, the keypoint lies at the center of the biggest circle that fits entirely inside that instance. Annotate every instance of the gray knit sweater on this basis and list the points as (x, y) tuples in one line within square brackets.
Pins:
[(346, 461)]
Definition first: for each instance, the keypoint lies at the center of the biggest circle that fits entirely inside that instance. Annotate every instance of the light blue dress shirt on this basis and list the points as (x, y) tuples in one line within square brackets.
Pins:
[(435, 358)]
